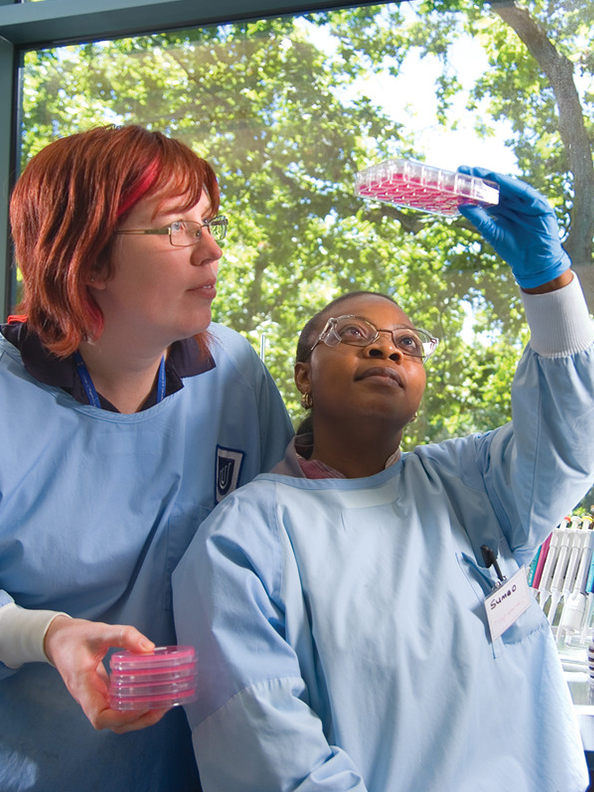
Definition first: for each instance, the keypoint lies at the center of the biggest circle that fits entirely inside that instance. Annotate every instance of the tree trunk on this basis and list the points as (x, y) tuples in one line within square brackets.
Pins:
[(559, 71)]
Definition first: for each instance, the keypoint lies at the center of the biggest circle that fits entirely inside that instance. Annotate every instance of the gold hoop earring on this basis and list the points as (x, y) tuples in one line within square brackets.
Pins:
[(306, 401), (415, 415)]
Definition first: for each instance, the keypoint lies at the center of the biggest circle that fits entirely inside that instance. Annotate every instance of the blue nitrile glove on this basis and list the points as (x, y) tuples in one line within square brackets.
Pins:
[(522, 229)]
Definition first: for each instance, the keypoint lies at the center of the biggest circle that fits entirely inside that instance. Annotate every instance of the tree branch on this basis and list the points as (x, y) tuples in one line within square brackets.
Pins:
[(559, 71)]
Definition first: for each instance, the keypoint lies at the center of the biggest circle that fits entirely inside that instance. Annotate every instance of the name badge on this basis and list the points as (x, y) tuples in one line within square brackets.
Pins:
[(507, 603)]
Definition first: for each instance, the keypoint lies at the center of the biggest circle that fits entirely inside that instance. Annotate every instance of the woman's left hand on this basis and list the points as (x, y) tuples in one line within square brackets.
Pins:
[(522, 228)]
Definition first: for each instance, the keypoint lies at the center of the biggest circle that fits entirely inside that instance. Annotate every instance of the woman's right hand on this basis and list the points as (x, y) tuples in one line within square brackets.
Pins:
[(76, 648)]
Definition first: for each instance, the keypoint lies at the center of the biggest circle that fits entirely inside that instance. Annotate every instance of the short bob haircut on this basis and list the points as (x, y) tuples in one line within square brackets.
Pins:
[(66, 206)]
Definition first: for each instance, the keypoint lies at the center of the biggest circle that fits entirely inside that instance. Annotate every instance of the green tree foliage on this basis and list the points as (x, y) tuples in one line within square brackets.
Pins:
[(276, 106), (540, 81)]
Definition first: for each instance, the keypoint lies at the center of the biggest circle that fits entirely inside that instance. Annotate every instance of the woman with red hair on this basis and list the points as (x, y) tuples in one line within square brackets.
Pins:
[(126, 416)]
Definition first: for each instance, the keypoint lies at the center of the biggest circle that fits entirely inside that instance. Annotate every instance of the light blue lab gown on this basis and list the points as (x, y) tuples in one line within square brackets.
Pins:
[(96, 508), (340, 624)]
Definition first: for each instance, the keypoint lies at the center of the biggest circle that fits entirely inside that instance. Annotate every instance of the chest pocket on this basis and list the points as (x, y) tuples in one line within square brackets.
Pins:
[(482, 581)]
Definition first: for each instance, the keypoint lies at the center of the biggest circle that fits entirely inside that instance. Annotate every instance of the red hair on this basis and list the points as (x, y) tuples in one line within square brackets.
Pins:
[(66, 206)]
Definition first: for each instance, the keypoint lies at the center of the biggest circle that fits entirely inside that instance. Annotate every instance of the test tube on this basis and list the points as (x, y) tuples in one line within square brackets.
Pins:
[(544, 587), (559, 572)]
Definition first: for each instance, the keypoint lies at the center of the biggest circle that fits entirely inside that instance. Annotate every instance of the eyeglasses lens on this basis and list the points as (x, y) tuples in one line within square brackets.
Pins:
[(218, 228), (354, 331), (184, 234)]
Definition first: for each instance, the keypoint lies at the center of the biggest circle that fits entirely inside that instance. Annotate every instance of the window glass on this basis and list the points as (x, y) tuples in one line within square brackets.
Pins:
[(288, 110)]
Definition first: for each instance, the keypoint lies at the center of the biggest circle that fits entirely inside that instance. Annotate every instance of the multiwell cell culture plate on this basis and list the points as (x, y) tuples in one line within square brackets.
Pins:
[(407, 183)]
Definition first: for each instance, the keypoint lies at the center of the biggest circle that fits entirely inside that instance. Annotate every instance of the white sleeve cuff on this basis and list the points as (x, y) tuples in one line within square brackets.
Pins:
[(22, 634), (559, 321)]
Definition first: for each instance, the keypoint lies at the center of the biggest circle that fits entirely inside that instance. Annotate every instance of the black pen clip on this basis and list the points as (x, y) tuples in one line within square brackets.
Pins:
[(490, 559)]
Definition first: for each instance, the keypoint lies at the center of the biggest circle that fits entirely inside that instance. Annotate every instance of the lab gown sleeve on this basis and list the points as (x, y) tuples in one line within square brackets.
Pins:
[(253, 702), (537, 467)]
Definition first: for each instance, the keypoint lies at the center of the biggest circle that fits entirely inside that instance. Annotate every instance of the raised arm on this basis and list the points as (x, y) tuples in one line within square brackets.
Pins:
[(541, 462)]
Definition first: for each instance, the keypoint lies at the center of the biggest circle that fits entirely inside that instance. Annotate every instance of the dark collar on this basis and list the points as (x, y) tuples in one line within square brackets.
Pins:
[(184, 360)]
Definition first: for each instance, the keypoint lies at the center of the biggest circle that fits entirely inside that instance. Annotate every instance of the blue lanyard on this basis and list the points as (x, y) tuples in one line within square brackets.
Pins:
[(91, 392)]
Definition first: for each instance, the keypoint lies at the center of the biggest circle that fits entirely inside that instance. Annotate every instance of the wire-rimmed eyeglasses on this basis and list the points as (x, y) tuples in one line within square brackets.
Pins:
[(185, 233), (359, 332)]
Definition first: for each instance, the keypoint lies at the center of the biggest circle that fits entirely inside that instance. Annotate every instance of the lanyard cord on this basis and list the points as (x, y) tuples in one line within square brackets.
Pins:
[(91, 392)]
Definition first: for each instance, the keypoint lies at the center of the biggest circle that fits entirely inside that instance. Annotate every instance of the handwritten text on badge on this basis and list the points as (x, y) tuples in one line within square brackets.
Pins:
[(507, 603)]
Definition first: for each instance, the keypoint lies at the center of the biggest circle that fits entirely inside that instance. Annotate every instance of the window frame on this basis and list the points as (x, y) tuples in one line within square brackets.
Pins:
[(36, 25)]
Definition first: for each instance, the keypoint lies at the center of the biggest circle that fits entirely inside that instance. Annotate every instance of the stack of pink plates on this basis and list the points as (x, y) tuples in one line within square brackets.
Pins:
[(160, 679)]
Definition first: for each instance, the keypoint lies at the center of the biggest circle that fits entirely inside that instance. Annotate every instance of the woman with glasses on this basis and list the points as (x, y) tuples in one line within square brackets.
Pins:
[(361, 615), (126, 415)]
